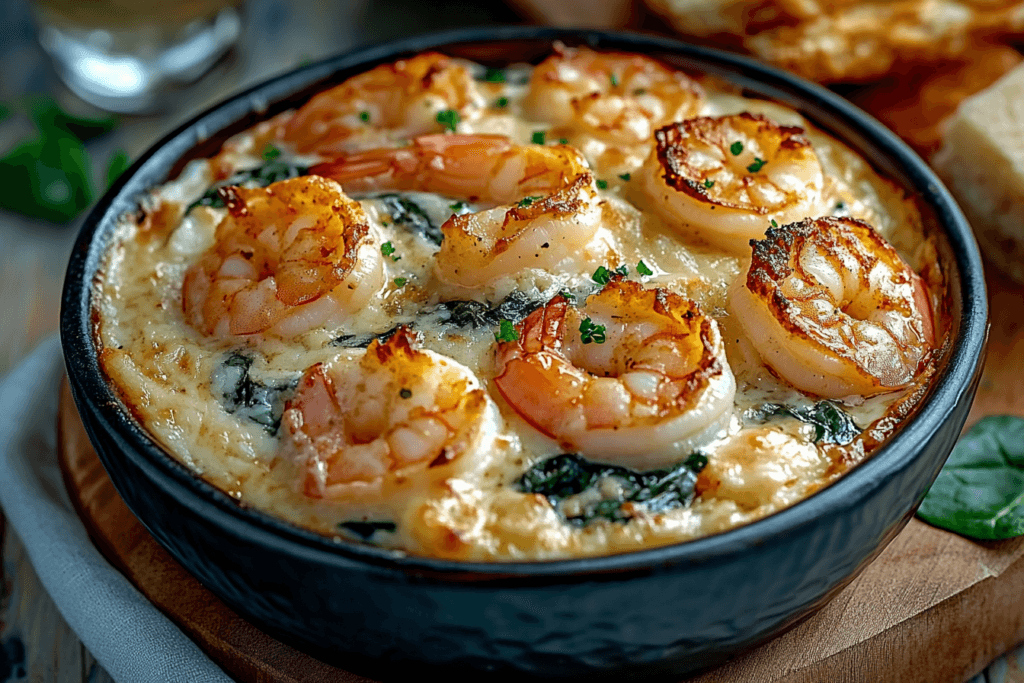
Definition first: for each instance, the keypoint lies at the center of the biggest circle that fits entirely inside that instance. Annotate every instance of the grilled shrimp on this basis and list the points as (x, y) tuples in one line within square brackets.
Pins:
[(549, 205), (401, 99), (636, 377), (399, 412), (833, 309), (287, 258), (615, 98), (728, 178)]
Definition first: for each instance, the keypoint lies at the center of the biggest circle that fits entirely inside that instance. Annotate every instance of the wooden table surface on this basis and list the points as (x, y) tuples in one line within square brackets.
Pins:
[(35, 643)]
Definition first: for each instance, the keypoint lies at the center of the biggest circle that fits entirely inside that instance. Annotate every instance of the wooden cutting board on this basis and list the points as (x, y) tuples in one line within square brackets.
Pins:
[(932, 607)]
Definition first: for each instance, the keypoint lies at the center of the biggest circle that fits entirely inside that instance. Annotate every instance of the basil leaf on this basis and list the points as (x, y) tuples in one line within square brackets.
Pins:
[(567, 475), (47, 115), (117, 165), (980, 491), (48, 177)]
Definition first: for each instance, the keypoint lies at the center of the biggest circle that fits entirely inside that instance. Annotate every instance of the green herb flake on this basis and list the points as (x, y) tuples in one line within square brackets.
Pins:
[(640, 91), (602, 184), (364, 116), (625, 176), (563, 141), (506, 332), (400, 281), (736, 148), (601, 276), (591, 333), (643, 269), (613, 78), (757, 165), (501, 102), (622, 270), (405, 393), (538, 137), (117, 165), (568, 296), (457, 206), (527, 201), (980, 491), (494, 75), (449, 119), (270, 152), (387, 248), (709, 183), (840, 206), (774, 223)]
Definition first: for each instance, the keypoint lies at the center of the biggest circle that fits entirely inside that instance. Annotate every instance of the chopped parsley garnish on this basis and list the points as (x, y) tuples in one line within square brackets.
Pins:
[(449, 118), (568, 296), (457, 206), (601, 276), (614, 79), (709, 183), (640, 91), (757, 165), (774, 224), (405, 393), (538, 137), (625, 176), (591, 333), (501, 102), (736, 148), (388, 249), (364, 116), (622, 270), (526, 201), (494, 75), (602, 184), (840, 206), (563, 141), (506, 332), (270, 153), (400, 281), (643, 269)]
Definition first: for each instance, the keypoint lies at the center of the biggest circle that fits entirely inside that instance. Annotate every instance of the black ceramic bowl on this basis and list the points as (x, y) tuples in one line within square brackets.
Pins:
[(669, 610)]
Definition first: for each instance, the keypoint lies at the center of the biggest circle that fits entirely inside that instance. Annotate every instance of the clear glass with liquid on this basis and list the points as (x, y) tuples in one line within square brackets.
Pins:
[(121, 55)]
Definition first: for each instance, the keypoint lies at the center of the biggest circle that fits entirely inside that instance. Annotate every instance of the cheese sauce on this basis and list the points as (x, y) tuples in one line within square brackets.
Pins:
[(446, 449)]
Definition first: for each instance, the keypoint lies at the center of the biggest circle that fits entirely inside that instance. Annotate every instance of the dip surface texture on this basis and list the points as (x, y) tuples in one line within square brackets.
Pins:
[(578, 308)]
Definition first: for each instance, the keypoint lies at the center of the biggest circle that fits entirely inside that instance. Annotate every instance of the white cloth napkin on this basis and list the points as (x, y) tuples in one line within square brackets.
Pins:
[(126, 634)]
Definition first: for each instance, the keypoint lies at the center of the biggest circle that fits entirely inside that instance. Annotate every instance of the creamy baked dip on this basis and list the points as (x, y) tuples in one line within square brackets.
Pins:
[(585, 307)]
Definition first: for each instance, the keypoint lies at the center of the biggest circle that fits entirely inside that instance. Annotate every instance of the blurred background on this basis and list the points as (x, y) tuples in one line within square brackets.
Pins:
[(86, 86)]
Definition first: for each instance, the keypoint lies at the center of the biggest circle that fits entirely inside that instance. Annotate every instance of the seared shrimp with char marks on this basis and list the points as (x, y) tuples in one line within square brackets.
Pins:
[(287, 258), (833, 309), (400, 100), (614, 97), (364, 427), (636, 377), (555, 207), (727, 178)]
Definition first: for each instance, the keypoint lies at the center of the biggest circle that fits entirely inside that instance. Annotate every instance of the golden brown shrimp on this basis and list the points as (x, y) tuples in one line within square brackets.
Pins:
[(555, 208), (727, 178), (635, 377), (363, 427), (616, 98), (287, 258), (833, 309), (400, 99)]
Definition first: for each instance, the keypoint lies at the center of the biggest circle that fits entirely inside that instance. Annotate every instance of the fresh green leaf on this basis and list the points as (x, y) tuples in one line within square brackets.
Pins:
[(565, 476), (117, 165), (601, 276), (831, 423), (507, 332), (643, 269), (47, 178), (449, 119), (47, 114), (980, 491)]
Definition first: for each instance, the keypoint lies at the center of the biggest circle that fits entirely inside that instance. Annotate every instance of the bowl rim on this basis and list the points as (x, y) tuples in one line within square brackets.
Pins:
[(93, 394)]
